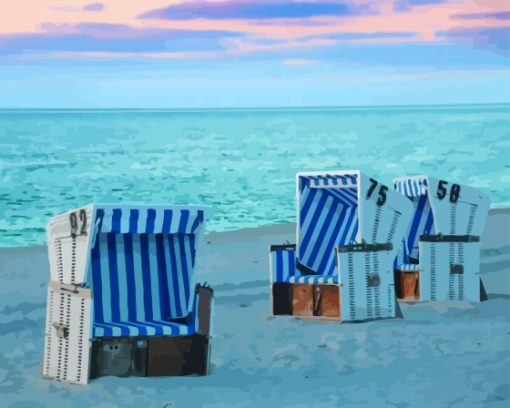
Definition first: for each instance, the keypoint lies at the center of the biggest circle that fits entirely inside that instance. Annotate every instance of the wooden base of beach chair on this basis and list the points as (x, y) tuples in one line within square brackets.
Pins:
[(150, 356), (306, 300), (407, 285)]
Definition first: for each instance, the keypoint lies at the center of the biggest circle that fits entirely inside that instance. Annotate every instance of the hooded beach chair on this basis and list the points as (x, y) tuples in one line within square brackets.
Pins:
[(348, 228), (439, 259), (120, 296)]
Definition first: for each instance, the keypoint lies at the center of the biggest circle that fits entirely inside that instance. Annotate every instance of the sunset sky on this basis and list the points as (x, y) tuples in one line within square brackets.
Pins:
[(240, 53)]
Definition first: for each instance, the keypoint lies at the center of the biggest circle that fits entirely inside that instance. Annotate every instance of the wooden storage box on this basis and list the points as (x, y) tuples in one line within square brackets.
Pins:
[(407, 284), (306, 300), (150, 356)]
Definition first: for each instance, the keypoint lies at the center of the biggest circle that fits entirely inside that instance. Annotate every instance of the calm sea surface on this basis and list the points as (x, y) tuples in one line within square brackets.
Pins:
[(241, 162)]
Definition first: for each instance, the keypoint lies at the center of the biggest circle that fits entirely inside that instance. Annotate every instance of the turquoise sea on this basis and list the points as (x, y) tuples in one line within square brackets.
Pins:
[(241, 162)]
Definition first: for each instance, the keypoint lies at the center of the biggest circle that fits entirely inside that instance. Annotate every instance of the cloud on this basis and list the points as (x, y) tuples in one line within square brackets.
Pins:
[(300, 62), (502, 15), (493, 39), (378, 35), (404, 5), (110, 38), (94, 7), (247, 9)]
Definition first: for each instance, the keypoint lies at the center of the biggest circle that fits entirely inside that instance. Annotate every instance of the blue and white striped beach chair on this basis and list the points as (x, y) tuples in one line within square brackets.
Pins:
[(442, 244), (121, 293), (348, 228)]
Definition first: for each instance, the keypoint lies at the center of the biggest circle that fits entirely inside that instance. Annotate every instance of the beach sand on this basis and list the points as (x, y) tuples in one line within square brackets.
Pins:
[(442, 354)]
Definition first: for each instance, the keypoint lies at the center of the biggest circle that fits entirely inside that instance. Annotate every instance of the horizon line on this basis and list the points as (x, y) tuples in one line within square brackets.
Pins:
[(247, 108)]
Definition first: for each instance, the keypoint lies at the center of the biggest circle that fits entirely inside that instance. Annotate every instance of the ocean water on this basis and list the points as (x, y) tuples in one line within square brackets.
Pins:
[(240, 162)]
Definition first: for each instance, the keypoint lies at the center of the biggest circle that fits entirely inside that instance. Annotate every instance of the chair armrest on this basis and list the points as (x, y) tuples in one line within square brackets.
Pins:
[(282, 262), (202, 309)]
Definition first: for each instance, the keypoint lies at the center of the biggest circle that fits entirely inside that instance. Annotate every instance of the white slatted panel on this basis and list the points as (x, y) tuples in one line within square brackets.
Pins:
[(66, 340), (436, 281), (359, 299)]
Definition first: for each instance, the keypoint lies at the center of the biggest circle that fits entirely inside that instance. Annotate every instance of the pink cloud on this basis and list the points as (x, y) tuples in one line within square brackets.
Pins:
[(419, 21)]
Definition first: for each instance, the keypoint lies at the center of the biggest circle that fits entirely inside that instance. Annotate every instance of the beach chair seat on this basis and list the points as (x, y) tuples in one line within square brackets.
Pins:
[(448, 219), (123, 276), (339, 209)]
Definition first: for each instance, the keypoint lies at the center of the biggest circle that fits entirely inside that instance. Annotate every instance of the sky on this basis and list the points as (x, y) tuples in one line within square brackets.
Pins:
[(241, 53)]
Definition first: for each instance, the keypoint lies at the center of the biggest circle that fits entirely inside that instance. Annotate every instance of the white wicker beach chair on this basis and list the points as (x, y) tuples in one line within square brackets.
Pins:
[(121, 299), (439, 259), (348, 228)]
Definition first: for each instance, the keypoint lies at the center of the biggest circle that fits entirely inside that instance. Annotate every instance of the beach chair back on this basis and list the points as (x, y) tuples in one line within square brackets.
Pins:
[(440, 207), (338, 208)]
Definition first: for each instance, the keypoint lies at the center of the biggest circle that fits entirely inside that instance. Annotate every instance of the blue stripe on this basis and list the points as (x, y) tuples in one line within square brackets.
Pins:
[(428, 223), (130, 276), (279, 266), (163, 278), (185, 272), (292, 263), (313, 223), (116, 217), (416, 223), (167, 221), (319, 242), (146, 270), (151, 216), (133, 220), (354, 231), (183, 222), (173, 262), (114, 281), (347, 227), (306, 206), (198, 220), (97, 283), (334, 239)]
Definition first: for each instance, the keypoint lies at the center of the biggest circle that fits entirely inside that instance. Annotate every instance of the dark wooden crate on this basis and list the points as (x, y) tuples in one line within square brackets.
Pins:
[(182, 355)]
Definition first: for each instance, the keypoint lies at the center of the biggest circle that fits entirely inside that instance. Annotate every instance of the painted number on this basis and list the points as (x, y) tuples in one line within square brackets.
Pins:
[(381, 199), (73, 221), (454, 191)]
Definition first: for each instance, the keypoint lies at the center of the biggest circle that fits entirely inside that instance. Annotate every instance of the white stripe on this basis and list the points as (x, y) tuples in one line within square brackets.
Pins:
[(107, 220), (176, 219), (124, 221), (158, 221), (142, 221)]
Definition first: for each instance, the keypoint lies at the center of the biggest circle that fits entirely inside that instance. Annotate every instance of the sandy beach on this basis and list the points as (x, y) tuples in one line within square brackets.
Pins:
[(438, 355)]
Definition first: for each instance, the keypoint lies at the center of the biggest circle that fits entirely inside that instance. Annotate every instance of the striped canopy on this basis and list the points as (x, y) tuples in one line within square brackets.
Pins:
[(148, 219), (337, 208), (440, 206)]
